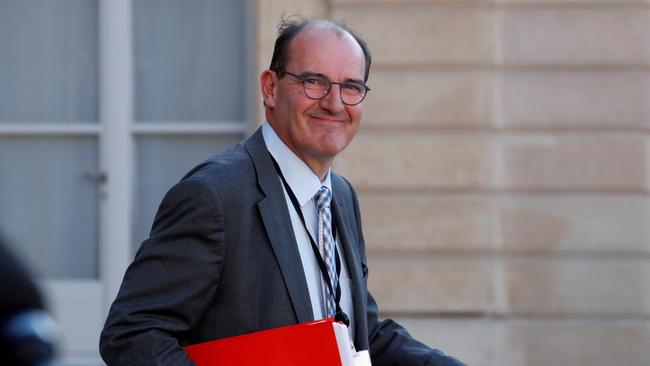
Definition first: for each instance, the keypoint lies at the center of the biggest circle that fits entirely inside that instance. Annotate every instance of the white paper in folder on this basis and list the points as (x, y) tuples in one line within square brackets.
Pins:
[(349, 356)]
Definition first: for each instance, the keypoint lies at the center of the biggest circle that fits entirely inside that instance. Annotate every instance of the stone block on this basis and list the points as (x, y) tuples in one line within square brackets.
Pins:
[(425, 99), (574, 36), (394, 222), (431, 285), (646, 87), (568, 2), (646, 46), (416, 162), (578, 342), (586, 224), (475, 341), (402, 2), (422, 34), (535, 342), (570, 100), (270, 12), (616, 286), (572, 162), (647, 186)]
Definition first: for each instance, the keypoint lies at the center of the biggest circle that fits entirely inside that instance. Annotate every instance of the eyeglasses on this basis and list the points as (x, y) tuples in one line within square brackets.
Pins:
[(318, 87)]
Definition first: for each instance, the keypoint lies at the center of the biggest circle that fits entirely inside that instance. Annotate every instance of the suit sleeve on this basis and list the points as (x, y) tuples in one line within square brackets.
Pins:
[(170, 283), (390, 343)]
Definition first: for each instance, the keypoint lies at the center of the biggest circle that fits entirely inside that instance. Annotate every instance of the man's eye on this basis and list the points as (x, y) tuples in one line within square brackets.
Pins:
[(314, 81), (353, 87)]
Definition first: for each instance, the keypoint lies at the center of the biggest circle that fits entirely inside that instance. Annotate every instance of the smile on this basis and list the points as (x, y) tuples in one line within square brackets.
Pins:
[(328, 119)]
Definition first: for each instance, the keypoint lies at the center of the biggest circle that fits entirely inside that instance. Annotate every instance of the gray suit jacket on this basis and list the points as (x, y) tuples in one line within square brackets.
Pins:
[(222, 260)]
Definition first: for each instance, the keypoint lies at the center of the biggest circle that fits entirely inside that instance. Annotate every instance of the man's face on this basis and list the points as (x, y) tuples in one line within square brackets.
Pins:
[(316, 130)]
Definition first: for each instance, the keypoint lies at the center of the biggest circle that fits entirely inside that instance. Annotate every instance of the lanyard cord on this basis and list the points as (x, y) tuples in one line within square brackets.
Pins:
[(340, 315)]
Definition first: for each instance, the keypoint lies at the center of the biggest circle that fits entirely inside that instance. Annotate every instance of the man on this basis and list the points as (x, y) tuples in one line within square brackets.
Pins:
[(249, 240)]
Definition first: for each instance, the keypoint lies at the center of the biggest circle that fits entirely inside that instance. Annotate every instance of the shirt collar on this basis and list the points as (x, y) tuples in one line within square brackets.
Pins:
[(303, 181)]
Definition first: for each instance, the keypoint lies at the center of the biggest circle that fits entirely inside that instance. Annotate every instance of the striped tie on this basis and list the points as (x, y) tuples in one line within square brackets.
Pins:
[(326, 246)]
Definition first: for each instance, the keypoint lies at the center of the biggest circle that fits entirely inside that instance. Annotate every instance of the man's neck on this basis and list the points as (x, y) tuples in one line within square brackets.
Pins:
[(314, 166), (320, 167)]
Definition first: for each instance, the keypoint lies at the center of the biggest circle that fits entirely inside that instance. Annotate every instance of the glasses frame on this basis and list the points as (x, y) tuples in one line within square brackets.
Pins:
[(303, 79)]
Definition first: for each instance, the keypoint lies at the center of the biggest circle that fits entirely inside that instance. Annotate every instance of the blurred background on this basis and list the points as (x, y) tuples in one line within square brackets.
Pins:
[(503, 164)]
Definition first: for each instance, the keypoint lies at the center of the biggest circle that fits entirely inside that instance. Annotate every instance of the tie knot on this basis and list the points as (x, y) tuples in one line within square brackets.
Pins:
[(322, 197)]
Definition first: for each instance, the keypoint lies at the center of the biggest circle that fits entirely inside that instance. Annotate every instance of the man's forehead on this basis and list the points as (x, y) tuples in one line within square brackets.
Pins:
[(315, 43), (319, 31)]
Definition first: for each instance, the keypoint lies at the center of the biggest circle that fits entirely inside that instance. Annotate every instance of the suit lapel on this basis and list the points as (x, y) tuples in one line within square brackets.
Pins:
[(275, 216), (353, 261)]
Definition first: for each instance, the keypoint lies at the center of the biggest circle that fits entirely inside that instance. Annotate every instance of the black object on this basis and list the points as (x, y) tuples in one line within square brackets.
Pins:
[(27, 332)]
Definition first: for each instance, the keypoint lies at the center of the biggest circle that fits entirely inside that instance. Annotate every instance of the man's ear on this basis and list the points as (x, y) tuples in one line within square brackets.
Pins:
[(268, 84)]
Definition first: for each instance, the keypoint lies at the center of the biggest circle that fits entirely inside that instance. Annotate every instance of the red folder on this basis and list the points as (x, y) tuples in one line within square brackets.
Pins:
[(313, 343)]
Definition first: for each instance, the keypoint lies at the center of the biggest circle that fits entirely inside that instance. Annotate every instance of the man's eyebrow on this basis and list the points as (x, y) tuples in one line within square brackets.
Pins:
[(311, 73), (358, 81)]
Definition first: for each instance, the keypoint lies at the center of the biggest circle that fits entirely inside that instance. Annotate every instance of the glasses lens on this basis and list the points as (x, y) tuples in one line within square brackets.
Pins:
[(352, 93), (316, 87)]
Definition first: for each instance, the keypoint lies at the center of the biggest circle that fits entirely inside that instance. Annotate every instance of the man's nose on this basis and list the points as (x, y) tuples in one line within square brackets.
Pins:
[(332, 101)]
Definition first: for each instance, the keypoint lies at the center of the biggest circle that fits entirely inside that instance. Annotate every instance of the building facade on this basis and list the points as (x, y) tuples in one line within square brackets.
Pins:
[(503, 164)]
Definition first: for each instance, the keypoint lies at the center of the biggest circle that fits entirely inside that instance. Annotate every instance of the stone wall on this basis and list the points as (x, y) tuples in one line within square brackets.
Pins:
[(503, 168)]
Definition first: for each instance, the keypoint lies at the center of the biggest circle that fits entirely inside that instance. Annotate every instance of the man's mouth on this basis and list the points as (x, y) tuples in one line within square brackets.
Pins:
[(328, 117)]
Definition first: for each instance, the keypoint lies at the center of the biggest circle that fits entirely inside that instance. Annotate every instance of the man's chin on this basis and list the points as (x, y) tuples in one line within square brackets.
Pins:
[(333, 147)]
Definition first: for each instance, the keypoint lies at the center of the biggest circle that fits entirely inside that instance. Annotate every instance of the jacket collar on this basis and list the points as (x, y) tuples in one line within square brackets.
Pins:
[(275, 216)]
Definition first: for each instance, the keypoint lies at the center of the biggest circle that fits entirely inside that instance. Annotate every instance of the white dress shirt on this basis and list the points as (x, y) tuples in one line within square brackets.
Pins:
[(305, 183)]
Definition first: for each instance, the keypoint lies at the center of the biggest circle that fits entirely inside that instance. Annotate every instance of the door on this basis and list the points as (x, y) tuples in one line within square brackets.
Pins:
[(104, 105)]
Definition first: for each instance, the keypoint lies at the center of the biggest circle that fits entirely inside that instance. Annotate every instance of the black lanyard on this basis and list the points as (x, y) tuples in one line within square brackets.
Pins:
[(340, 315)]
